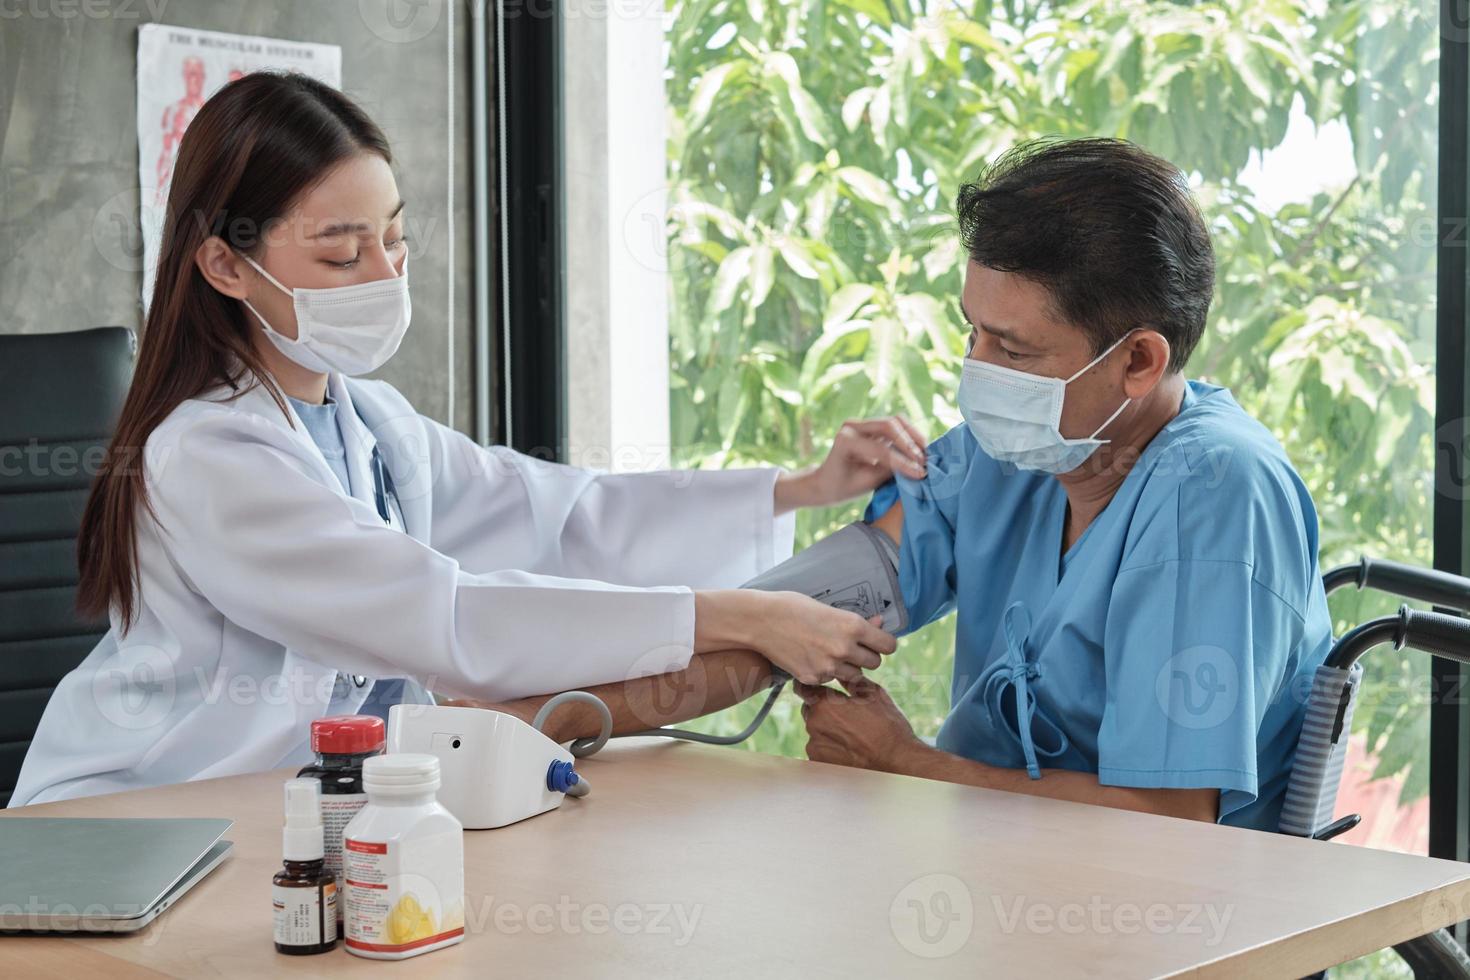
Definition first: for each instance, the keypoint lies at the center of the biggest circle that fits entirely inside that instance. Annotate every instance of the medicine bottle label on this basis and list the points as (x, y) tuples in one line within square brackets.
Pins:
[(337, 812), (305, 916), (404, 897)]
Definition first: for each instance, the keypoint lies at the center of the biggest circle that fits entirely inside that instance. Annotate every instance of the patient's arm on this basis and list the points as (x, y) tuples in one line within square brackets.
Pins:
[(1059, 784), (891, 523), (711, 682), (862, 727)]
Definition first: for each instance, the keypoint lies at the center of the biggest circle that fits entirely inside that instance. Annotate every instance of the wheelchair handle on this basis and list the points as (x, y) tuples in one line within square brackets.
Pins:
[(1409, 581), (1437, 633)]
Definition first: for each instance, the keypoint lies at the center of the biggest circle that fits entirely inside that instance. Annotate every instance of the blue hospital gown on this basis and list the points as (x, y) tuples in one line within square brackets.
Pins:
[(1172, 646)]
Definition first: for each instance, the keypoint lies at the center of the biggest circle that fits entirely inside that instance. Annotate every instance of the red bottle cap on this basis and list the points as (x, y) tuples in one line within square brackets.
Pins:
[(347, 735)]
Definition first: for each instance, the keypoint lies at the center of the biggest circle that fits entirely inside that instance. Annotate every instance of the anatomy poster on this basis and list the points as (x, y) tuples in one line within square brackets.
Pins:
[(178, 68)]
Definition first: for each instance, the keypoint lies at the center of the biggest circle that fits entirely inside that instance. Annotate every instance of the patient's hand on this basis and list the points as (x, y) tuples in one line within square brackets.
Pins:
[(862, 728)]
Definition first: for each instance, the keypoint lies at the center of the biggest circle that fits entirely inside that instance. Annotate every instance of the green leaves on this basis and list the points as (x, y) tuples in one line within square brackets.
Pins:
[(734, 271), (781, 67), (708, 89), (798, 258), (845, 303), (762, 275), (868, 187)]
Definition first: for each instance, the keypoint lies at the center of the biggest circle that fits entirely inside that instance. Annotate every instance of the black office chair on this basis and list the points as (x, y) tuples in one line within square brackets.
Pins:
[(60, 395)]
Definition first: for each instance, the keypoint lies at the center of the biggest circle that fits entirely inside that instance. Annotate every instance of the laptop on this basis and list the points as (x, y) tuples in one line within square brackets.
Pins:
[(101, 875)]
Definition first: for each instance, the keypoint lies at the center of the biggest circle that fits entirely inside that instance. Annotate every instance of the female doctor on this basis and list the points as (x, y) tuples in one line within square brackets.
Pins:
[(274, 539)]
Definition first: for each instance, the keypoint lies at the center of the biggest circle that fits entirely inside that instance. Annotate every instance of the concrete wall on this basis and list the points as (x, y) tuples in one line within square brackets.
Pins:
[(70, 251)]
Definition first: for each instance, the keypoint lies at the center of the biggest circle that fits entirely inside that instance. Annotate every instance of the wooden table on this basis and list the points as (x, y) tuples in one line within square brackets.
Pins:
[(691, 861)]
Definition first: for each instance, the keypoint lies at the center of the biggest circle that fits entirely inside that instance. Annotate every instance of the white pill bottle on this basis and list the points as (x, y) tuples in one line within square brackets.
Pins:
[(402, 863)]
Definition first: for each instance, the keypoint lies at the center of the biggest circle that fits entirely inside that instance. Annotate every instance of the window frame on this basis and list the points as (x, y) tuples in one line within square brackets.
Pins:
[(530, 342), (1449, 714)]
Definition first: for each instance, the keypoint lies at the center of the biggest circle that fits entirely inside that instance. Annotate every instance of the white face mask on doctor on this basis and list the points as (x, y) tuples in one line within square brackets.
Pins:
[(1016, 417), (350, 329)]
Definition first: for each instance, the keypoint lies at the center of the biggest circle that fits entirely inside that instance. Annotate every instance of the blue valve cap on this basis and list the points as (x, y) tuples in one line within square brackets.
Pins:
[(561, 777)]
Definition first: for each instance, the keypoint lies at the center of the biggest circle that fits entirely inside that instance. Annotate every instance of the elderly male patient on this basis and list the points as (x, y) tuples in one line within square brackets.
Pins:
[(1132, 558)]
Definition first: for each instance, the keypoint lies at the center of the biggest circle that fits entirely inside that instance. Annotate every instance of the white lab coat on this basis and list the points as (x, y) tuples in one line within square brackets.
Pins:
[(261, 580)]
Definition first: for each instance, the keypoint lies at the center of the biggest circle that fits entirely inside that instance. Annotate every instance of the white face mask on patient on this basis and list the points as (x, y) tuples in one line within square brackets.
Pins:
[(350, 329), (1016, 417)]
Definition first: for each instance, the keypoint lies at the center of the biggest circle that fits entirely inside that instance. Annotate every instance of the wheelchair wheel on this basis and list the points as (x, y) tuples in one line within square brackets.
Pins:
[(1435, 957)]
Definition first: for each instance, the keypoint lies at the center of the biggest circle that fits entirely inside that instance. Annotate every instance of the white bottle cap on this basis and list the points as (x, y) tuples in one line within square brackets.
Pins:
[(302, 838), (401, 773)]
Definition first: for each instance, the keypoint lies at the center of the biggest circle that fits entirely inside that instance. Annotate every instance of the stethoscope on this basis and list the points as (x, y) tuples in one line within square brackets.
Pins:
[(383, 489), (384, 495)]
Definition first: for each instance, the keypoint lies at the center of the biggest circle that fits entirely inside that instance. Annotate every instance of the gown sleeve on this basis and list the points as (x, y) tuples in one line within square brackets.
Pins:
[(496, 508), (926, 555)]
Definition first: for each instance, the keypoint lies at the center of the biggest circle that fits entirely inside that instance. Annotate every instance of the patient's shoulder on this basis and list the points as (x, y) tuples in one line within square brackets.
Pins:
[(1225, 484), (1215, 445)]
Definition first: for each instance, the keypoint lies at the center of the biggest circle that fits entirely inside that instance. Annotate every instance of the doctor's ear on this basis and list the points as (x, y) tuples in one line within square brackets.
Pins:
[(1148, 361), (222, 268)]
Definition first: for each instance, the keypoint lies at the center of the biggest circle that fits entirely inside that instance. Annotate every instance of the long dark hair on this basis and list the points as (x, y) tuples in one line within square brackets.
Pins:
[(252, 149)]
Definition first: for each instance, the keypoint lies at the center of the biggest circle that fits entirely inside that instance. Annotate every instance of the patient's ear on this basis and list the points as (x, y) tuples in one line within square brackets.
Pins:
[(1148, 362)]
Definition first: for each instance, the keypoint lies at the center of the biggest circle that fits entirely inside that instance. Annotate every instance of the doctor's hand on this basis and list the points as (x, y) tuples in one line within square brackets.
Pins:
[(862, 728), (864, 454), (809, 640), (815, 643)]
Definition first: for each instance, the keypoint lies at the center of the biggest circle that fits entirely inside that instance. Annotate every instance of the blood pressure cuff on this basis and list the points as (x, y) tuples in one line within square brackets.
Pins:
[(855, 569)]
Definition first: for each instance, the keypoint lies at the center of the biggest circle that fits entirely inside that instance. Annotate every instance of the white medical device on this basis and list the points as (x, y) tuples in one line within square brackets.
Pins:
[(494, 768)]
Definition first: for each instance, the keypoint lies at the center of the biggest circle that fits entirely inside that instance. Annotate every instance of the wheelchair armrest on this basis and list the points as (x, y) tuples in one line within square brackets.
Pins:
[(1408, 581), (1339, 826)]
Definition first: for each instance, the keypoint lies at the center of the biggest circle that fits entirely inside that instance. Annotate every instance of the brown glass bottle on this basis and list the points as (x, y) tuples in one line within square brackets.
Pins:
[(304, 892), (313, 875)]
